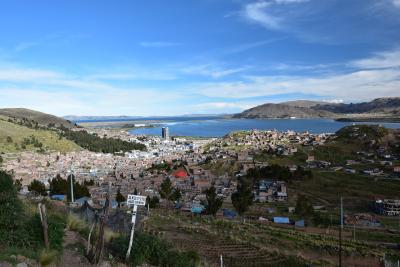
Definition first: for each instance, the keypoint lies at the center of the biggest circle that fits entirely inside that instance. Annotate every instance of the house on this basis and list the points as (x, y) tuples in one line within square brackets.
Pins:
[(81, 201), (59, 197), (281, 220), (229, 213), (310, 159), (299, 224), (388, 207), (396, 169)]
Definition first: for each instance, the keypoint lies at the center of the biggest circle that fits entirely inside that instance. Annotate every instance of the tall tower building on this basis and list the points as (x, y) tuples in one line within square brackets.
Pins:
[(165, 133)]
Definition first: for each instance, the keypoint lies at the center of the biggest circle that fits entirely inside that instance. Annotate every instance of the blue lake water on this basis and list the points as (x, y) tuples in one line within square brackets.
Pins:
[(217, 127)]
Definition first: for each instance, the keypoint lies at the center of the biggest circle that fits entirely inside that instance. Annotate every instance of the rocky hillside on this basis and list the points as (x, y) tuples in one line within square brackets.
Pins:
[(381, 108), (283, 111), (380, 105), (35, 116)]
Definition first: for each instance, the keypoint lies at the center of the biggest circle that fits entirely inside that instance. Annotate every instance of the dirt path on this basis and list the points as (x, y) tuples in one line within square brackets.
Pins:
[(73, 257)]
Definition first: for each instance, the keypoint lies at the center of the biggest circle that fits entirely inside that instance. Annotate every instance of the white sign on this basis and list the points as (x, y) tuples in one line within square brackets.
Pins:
[(136, 200)]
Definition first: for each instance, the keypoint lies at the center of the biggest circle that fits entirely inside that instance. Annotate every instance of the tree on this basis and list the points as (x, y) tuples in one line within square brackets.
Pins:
[(243, 197), (58, 186), (38, 187), (18, 184), (12, 218), (119, 198), (153, 202), (176, 195), (304, 207), (214, 203), (166, 188)]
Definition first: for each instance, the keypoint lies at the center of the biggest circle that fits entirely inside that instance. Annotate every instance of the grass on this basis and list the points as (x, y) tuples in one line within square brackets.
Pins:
[(49, 139), (357, 190), (75, 224), (47, 257)]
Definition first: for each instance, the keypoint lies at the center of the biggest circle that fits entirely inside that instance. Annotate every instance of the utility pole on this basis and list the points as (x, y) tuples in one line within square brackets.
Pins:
[(72, 184), (340, 232)]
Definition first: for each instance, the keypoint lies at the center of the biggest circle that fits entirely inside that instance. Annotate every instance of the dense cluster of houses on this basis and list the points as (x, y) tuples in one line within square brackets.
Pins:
[(187, 160)]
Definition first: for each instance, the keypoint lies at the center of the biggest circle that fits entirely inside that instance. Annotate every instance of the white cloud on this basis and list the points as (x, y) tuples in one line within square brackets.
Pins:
[(26, 74), (257, 12), (225, 105), (387, 59), (396, 3), (358, 85), (262, 12), (377, 76), (212, 70), (62, 93), (243, 47)]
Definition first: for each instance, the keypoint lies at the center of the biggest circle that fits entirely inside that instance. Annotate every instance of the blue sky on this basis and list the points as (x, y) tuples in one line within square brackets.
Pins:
[(196, 56)]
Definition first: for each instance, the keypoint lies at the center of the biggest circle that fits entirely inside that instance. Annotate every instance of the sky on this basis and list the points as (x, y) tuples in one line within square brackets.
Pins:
[(157, 57)]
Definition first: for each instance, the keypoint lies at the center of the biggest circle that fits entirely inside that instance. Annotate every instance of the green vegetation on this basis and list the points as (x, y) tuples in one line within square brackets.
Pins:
[(150, 249), (97, 144), (119, 198), (38, 187), (60, 186), (325, 188), (152, 201), (304, 207), (14, 138), (214, 203), (168, 192), (33, 119), (361, 133), (20, 226), (243, 197)]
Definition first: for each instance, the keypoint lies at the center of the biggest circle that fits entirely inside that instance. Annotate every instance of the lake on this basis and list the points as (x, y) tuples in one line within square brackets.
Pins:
[(218, 127)]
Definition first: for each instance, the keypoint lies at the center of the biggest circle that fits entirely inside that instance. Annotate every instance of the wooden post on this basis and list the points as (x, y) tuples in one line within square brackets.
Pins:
[(43, 219), (90, 235)]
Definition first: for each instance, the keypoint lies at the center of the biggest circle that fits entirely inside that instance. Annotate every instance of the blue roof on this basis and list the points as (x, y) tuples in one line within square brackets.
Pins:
[(229, 213), (299, 223), (281, 220), (58, 197)]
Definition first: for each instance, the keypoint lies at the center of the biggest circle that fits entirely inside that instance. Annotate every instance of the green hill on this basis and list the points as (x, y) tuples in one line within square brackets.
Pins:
[(35, 116), (16, 138)]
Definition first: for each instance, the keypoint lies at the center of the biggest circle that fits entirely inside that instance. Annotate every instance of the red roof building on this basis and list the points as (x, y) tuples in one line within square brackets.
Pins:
[(180, 174)]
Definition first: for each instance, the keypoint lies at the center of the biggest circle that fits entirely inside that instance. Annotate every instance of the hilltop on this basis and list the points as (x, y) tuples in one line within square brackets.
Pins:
[(14, 138), (35, 116), (283, 111), (377, 109)]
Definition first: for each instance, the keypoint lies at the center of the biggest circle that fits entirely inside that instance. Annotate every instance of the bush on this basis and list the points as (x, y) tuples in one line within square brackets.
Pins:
[(152, 250), (47, 257), (17, 228)]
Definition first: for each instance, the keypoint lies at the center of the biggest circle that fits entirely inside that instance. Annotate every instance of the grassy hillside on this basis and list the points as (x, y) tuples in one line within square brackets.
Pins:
[(12, 137), (39, 117)]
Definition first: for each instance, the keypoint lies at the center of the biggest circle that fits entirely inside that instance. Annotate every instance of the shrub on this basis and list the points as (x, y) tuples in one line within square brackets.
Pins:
[(47, 257), (152, 250)]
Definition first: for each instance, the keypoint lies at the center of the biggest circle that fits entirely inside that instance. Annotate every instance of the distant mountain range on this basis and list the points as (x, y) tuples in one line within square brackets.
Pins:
[(380, 108), (124, 117)]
